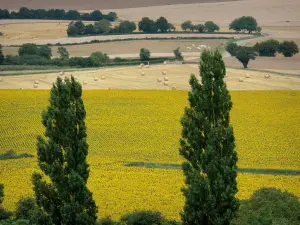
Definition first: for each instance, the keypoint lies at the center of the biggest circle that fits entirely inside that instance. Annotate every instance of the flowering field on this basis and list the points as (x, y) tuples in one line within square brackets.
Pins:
[(143, 126)]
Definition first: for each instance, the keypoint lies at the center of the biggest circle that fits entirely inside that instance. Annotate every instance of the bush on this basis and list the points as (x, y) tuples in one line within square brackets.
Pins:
[(162, 24), (106, 221), (34, 60), (25, 208), (269, 206), (99, 59), (288, 48), (32, 49), (80, 62), (267, 48), (144, 54), (143, 218), (200, 28)]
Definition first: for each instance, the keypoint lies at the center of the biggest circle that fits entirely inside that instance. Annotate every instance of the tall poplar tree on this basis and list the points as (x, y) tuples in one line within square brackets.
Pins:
[(207, 144), (62, 153)]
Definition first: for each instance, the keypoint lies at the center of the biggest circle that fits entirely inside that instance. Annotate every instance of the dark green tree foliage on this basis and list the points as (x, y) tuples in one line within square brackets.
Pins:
[(178, 54), (3, 213), (200, 28), (187, 25), (232, 48), (125, 27), (1, 58), (247, 23), (143, 218), (269, 206), (103, 26), (287, 48), (111, 16), (4, 14), (73, 15), (210, 26), (244, 54), (207, 144), (25, 208), (63, 53), (144, 54), (28, 49), (96, 15), (267, 48), (162, 24), (76, 28), (65, 199), (45, 51), (147, 25), (99, 58), (171, 27)]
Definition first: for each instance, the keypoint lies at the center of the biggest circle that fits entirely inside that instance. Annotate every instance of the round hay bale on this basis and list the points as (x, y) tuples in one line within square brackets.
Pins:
[(147, 66), (226, 75), (142, 65), (159, 80), (241, 80), (103, 78), (166, 83), (61, 73), (267, 76), (21, 88), (173, 88), (85, 82), (247, 76), (95, 78), (75, 77), (36, 82), (35, 85), (143, 74), (166, 78), (164, 72), (165, 62)]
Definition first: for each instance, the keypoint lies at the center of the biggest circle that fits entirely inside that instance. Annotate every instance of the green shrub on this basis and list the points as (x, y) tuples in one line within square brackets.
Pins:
[(232, 48), (143, 218), (269, 206), (25, 208), (267, 48), (144, 54), (288, 48)]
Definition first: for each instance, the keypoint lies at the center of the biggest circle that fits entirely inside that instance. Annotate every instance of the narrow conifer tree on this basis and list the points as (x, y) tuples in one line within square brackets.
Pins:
[(207, 144), (62, 153)]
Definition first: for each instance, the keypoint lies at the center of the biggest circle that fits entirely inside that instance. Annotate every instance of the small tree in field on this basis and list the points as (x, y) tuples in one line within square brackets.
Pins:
[(62, 153), (244, 54), (207, 144), (210, 26), (178, 54), (288, 48), (62, 51), (144, 54), (187, 25)]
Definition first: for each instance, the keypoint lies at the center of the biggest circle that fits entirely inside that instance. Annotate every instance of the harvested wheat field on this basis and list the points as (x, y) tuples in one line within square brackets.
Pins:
[(165, 77), (127, 47)]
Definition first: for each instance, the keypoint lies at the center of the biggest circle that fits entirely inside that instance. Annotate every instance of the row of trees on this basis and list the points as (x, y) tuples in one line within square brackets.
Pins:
[(77, 28), (57, 14), (209, 26), (271, 47), (31, 54), (266, 48)]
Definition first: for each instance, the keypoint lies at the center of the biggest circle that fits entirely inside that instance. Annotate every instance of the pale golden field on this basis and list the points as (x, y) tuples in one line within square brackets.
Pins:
[(144, 126), (131, 78), (129, 47)]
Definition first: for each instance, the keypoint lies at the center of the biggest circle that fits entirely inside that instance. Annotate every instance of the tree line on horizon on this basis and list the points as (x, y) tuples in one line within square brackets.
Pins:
[(56, 14)]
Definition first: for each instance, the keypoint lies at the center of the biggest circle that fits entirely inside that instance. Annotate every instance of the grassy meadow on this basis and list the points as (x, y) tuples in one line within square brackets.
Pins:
[(144, 126)]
